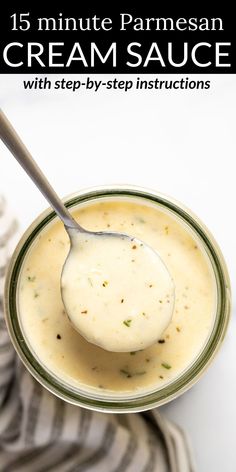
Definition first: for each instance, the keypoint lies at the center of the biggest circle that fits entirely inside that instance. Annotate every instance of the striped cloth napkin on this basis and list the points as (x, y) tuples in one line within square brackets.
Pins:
[(41, 433)]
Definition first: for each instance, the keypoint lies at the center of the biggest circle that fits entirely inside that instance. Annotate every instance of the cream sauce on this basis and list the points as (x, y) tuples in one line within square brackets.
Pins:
[(66, 354)]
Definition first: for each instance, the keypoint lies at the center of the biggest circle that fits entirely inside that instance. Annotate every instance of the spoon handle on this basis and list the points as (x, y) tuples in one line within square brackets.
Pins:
[(11, 139)]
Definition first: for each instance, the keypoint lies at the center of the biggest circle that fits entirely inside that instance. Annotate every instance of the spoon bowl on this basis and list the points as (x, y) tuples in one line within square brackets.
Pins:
[(116, 290)]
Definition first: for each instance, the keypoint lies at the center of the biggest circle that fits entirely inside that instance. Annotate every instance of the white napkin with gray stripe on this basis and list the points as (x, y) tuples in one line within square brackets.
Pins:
[(41, 433)]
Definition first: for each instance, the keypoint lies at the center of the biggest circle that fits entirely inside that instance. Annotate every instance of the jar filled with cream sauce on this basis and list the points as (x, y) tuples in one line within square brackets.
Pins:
[(85, 374)]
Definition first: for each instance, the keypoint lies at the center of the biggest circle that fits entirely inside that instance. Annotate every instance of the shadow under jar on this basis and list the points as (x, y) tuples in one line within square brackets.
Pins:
[(84, 374)]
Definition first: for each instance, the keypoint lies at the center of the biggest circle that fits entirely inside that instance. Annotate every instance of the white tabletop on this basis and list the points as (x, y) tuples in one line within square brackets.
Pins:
[(179, 142)]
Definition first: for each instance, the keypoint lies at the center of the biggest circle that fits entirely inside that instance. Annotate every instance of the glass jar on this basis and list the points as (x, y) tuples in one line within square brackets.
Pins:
[(175, 387)]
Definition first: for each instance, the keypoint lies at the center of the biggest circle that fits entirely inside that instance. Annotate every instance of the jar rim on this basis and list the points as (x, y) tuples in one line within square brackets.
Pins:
[(178, 385)]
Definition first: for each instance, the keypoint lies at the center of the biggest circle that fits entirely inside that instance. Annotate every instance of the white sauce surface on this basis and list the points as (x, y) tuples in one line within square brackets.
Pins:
[(66, 354), (117, 291)]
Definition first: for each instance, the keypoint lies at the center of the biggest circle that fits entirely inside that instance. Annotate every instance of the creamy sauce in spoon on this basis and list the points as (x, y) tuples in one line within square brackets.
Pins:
[(117, 291)]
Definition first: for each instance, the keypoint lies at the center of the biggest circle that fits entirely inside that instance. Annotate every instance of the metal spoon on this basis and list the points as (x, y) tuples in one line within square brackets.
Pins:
[(117, 338)]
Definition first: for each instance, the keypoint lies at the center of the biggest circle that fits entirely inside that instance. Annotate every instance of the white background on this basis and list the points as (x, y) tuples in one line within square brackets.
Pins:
[(179, 142)]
